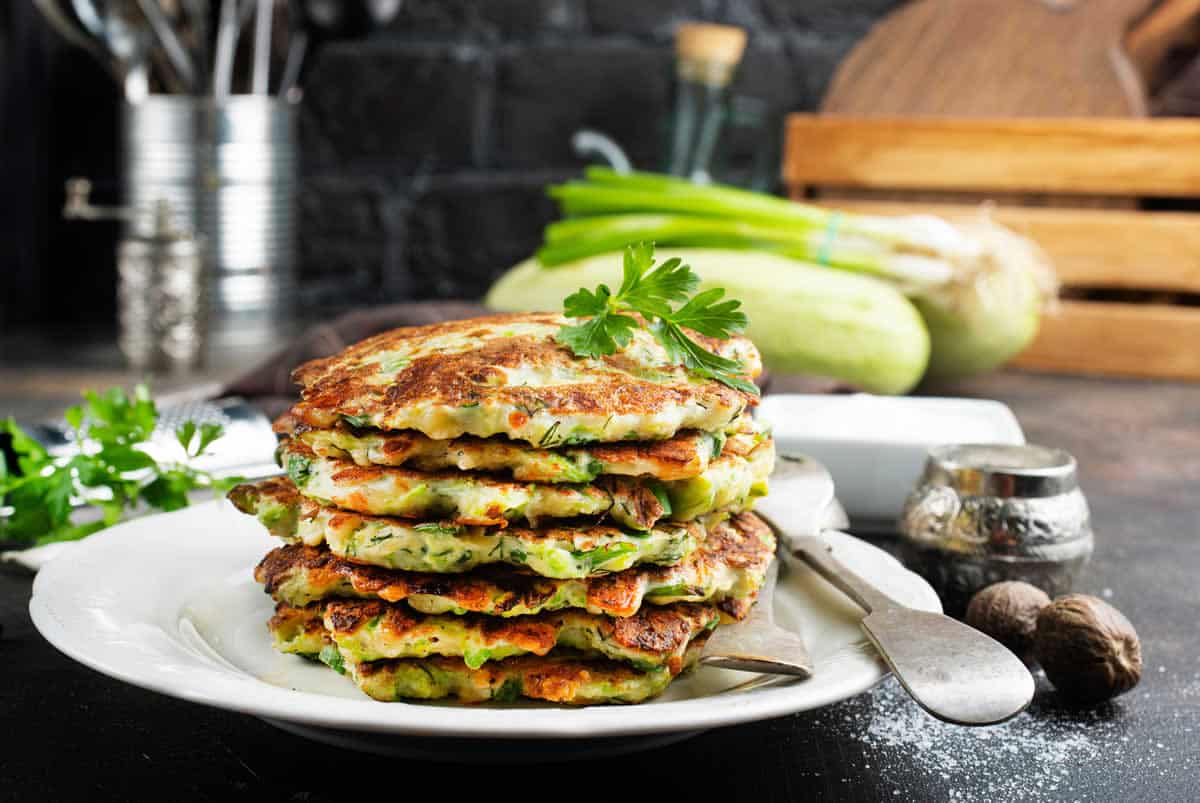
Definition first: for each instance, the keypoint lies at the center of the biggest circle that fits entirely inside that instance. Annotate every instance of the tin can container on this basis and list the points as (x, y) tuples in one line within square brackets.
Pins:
[(985, 513), (229, 172)]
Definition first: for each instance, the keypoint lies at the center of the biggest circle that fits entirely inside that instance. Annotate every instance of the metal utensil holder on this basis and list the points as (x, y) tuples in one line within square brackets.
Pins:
[(228, 171)]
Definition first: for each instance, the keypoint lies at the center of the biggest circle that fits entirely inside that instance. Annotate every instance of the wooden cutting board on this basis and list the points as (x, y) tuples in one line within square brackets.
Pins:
[(1019, 58)]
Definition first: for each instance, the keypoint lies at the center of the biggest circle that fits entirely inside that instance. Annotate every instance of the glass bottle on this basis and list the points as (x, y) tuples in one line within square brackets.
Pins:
[(706, 58)]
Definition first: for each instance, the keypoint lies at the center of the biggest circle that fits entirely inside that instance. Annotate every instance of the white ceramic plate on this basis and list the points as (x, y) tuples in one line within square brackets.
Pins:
[(168, 603)]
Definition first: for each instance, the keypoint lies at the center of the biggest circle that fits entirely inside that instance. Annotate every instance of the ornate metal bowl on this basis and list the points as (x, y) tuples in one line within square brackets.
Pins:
[(985, 513)]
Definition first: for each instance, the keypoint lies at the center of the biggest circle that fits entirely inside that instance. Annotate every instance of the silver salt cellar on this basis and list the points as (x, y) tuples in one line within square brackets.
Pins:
[(985, 513)]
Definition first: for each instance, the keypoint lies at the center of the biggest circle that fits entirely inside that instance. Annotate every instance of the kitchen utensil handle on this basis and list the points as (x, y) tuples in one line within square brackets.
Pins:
[(262, 47), (61, 22), (171, 46), (295, 60), (816, 553), (227, 31)]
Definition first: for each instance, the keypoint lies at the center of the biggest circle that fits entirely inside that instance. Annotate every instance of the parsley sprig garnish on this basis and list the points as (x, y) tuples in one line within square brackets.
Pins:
[(653, 292), (108, 470)]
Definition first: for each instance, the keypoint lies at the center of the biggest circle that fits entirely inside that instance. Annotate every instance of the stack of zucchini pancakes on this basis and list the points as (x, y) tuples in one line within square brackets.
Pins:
[(471, 510)]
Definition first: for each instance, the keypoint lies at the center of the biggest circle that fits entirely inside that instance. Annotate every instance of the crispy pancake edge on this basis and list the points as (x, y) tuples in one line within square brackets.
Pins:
[(349, 383)]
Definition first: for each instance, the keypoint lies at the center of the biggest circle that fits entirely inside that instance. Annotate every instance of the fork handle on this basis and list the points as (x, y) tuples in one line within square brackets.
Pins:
[(817, 553)]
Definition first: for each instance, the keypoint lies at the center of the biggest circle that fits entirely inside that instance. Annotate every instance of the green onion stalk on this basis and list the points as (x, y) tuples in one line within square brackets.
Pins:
[(979, 286)]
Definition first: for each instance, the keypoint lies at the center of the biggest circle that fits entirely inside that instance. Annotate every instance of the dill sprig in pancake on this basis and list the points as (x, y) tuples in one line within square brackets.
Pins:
[(508, 375), (372, 630), (564, 676), (563, 550), (731, 482), (727, 570), (561, 678), (686, 454)]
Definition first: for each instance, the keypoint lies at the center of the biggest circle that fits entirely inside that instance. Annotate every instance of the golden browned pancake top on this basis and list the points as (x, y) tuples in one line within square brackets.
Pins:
[(507, 375)]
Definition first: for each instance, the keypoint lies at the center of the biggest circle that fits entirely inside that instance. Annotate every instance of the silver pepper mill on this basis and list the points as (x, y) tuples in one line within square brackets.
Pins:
[(160, 290)]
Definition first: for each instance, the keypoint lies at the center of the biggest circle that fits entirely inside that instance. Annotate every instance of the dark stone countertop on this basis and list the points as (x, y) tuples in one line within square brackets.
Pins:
[(73, 733)]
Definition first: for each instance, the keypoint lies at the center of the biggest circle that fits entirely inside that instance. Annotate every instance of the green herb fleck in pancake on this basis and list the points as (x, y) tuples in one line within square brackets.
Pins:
[(508, 375)]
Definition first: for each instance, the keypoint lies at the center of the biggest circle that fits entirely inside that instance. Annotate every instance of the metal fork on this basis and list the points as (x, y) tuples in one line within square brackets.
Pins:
[(756, 643), (804, 497)]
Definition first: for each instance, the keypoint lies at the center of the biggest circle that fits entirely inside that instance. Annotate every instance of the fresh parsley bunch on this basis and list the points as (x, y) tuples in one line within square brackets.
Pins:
[(109, 471), (653, 293)]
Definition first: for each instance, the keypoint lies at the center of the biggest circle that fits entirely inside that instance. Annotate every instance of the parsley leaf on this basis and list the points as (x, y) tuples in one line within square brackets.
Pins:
[(584, 302), (653, 293), (708, 317), (700, 361), (111, 473), (184, 434), (208, 433), (671, 281), (605, 333)]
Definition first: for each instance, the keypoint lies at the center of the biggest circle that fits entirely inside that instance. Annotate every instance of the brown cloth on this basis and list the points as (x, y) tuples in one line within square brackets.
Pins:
[(269, 384)]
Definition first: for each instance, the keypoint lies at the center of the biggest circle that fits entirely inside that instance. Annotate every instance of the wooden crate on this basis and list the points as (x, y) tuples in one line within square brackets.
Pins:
[(1021, 162)]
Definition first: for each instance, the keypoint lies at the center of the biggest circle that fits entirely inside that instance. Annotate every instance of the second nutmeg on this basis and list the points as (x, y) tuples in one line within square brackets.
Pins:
[(1087, 648)]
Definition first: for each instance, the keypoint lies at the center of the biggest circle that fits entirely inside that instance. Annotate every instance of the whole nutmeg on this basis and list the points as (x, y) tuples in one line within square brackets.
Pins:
[(1089, 650), (1008, 612)]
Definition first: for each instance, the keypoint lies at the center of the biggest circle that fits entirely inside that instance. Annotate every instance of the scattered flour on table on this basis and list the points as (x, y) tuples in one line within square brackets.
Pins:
[(1032, 757)]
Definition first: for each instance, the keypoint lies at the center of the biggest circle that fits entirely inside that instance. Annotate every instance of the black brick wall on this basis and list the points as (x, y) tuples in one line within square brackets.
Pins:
[(426, 145)]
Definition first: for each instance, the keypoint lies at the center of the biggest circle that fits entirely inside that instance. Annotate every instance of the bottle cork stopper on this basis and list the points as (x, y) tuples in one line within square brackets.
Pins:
[(703, 41)]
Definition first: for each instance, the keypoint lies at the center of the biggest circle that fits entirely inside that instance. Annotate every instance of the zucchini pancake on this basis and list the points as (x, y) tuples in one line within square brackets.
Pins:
[(471, 510)]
